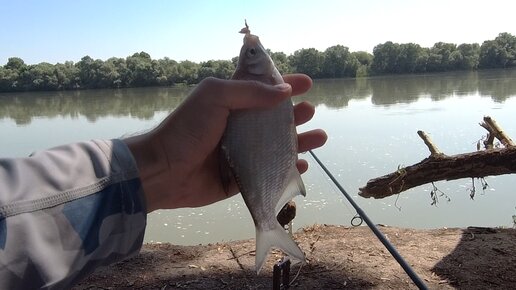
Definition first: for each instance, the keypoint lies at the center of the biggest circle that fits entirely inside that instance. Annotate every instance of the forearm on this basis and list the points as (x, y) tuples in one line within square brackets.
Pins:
[(152, 165), (67, 210), (163, 170)]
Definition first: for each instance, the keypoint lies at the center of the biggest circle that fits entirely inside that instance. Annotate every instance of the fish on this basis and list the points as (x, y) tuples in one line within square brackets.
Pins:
[(260, 147)]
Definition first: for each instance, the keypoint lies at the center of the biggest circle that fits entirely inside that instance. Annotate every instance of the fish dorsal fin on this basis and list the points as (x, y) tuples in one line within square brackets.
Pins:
[(294, 187)]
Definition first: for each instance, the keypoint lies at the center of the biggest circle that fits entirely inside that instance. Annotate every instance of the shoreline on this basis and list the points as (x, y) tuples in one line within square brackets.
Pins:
[(338, 257)]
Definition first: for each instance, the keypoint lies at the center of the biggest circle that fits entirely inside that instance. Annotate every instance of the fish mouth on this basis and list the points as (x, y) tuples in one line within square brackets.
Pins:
[(256, 74)]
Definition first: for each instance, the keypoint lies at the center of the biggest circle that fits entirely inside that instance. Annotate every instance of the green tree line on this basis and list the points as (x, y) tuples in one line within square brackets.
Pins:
[(139, 69)]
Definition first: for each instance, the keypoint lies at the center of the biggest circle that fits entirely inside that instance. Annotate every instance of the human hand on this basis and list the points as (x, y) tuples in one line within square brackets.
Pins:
[(179, 160)]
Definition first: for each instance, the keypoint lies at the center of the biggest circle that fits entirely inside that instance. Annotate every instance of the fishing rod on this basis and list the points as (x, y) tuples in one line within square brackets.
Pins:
[(410, 272)]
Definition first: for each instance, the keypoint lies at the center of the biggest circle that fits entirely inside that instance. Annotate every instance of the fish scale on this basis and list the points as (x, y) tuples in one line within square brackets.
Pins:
[(261, 149)]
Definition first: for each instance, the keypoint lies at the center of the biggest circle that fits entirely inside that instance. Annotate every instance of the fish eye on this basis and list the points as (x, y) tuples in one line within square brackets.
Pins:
[(251, 52)]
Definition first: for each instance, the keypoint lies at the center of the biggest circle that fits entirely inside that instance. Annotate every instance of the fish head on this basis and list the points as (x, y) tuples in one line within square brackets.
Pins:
[(255, 63)]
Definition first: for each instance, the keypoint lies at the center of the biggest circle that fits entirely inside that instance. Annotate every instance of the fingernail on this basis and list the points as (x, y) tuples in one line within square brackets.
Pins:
[(283, 86)]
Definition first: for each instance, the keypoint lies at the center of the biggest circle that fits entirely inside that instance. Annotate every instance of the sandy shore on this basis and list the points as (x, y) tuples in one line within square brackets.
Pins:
[(338, 258)]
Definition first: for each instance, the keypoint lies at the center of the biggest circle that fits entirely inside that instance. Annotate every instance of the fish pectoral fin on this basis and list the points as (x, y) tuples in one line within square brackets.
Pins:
[(294, 187), (279, 238)]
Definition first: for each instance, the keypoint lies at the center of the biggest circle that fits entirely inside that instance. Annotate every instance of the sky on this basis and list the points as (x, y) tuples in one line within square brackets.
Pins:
[(199, 30)]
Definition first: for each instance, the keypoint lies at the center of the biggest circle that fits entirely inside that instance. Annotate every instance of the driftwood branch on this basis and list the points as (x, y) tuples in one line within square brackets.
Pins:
[(438, 166), (496, 132), (431, 146)]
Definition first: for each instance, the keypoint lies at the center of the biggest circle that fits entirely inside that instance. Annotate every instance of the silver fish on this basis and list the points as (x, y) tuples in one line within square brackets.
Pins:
[(261, 149)]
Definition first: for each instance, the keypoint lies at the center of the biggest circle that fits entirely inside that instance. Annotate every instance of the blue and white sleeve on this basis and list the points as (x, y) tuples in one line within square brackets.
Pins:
[(67, 210)]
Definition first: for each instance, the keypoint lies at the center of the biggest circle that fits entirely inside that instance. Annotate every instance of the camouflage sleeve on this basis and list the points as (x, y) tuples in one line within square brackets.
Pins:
[(66, 211)]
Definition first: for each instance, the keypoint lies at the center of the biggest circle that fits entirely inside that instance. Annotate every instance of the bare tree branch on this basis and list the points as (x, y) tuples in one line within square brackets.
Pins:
[(439, 166)]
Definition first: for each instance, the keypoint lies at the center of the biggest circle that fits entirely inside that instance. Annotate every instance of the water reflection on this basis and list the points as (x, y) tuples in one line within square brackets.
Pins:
[(497, 84), (142, 103)]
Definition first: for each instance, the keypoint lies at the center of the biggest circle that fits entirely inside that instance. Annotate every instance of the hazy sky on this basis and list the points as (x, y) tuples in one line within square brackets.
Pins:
[(56, 31)]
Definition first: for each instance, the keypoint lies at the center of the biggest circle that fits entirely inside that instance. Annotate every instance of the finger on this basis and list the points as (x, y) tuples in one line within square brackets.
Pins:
[(303, 112), (311, 140), (300, 83), (302, 166), (243, 94)]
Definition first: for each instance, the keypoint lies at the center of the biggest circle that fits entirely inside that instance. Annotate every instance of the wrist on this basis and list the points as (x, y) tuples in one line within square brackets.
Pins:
[(151, 163)]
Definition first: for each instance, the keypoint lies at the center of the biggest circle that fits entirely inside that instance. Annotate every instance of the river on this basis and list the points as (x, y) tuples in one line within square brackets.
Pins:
[(371, 123)]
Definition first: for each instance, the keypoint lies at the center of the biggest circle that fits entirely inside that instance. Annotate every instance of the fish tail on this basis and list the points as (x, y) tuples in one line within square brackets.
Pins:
[(276, 237)]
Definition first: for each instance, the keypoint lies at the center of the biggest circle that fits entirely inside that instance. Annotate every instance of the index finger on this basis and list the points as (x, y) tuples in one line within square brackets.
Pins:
[(244, 94), (300, 83)]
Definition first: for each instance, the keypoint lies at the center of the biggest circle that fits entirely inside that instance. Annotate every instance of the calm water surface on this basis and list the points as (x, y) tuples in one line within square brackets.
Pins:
[(371, 123)]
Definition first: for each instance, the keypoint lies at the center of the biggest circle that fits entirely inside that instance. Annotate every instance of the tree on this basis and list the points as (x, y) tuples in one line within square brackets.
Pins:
[(307, 61), (89, 72), (508, 42), (11, 73), (338, 62), (234, 61), (109, 76), (188, 72), (385, 58), (6, 79), (466, 56), (16, 63), (365, 59), (167, 73), (206, 69), (440, 57), (42, 77), (411, 58), (224, 69), (67, 75), (280, 59), (422, 60), (141, 69), (498, 53)]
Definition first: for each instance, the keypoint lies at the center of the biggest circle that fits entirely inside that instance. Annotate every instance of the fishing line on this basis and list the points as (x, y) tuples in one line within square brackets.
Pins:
[(295, 277), (356, 220), (410, 272)]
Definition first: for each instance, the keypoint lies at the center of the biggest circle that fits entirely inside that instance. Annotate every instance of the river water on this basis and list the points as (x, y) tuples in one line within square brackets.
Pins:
[(371, 123)]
